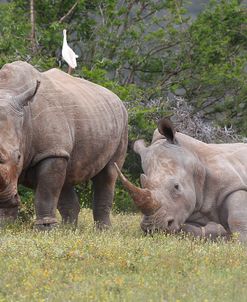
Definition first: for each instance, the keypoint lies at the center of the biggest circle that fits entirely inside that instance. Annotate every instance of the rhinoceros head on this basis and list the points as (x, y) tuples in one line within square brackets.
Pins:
[(168, 195), (11, 157)]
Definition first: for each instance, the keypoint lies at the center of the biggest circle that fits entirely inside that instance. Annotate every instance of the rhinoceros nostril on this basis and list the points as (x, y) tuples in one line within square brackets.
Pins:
[(170, 222)]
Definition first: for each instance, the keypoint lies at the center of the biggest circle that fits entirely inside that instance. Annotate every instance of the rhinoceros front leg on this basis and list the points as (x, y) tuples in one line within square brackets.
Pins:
[(68, 205), (234, 213), (103, 188), (211, 230), (8, 215), (50, 175)]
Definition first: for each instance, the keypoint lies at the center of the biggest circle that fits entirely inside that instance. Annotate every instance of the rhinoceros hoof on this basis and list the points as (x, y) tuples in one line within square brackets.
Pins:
[(8, 215), (4, 222), (45, 224), (102, 226)]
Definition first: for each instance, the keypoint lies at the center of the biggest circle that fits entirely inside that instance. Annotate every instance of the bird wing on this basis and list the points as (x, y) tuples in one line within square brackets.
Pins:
[(69, 56)]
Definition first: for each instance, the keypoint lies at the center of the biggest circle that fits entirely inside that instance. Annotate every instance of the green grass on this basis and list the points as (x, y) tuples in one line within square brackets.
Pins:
[(120, 264)]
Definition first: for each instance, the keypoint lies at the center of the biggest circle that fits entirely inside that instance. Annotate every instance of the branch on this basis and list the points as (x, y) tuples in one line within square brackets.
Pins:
[(32, 20), (68, 13), (170, 75), (102, 15), (210, 103), (160, 48)]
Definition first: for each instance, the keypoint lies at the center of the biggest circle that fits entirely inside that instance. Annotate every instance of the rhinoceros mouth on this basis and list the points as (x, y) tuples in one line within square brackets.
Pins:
[(161, 221), (10, 202), (151, 229)]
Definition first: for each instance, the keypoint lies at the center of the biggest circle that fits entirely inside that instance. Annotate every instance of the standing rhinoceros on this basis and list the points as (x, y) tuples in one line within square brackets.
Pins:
[(66, 131), (190, 185)]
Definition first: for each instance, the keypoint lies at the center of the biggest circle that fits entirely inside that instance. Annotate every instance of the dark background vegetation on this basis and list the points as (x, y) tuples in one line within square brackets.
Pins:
[(161, 57)]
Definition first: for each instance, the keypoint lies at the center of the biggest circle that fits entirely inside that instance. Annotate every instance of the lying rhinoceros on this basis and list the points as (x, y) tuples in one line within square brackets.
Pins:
[(189, 185), (66, 131)]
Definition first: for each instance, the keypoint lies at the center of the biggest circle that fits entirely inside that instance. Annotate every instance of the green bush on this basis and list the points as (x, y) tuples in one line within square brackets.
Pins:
[(26, 211)]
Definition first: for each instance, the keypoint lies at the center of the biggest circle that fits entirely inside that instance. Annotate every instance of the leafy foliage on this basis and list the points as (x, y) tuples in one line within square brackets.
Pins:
[(217, 55), (26, 211)]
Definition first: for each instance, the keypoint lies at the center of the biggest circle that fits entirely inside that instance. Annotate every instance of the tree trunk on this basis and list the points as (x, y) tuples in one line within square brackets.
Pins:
[(32, 20)]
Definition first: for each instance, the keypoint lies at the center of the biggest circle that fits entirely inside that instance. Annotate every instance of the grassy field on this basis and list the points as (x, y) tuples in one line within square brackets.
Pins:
[(120, 264)]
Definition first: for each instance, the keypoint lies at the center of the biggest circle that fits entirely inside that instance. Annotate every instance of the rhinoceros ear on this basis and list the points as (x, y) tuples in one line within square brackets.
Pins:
[(24, 98), (167, 129), (139, 146)]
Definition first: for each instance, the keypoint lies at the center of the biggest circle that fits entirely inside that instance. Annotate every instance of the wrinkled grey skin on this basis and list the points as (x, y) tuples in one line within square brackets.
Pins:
[(201, 188), (70, 131)]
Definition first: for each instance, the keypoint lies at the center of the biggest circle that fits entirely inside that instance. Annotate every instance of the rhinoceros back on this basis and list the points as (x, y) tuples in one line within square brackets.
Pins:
[(78, 120)]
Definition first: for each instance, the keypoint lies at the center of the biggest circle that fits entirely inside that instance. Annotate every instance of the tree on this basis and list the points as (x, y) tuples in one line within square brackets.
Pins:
[(214, 57)]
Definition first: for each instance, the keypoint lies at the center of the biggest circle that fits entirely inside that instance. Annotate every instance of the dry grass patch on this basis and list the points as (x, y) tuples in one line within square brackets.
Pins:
[(117, 265)]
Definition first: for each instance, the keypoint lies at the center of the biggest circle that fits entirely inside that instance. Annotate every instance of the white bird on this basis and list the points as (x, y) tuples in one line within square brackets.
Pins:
[(68, 54)]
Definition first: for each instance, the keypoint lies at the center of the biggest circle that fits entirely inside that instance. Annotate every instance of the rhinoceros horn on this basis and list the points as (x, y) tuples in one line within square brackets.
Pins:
[(22, 99), (142, 197)]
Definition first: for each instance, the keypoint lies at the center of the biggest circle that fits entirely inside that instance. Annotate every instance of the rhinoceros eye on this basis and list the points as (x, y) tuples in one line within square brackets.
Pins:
[(2, 159), (176, 186), (17, 155)]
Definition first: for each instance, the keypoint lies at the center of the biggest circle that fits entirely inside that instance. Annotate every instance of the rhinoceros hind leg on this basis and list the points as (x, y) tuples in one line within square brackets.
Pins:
[(68, 205), (235, 212), (104, 185), (103, 188)]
